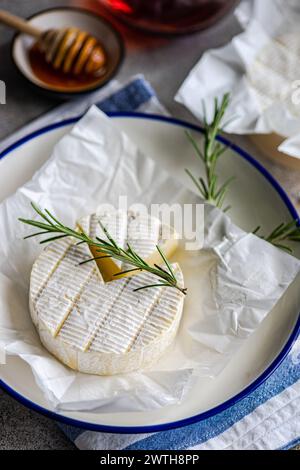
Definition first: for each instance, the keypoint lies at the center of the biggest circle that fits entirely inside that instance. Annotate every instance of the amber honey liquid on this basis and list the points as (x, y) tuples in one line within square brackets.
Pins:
[(57, 79)]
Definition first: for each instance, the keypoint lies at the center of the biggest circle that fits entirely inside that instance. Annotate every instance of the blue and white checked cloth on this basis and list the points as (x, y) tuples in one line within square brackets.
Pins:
[(268, 418)]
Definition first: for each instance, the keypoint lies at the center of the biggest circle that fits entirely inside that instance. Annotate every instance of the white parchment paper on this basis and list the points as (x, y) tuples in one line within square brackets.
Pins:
[(233, 283), (226, 70)]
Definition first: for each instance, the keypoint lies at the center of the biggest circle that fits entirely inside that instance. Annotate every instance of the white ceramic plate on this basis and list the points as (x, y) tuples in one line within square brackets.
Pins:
[(255, 198)]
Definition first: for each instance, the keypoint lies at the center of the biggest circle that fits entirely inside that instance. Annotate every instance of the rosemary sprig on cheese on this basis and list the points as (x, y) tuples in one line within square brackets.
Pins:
[(209, 155), (106, 249)]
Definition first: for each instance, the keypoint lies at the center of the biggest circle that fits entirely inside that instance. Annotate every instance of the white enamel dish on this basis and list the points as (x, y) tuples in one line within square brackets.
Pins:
[(256, 199)]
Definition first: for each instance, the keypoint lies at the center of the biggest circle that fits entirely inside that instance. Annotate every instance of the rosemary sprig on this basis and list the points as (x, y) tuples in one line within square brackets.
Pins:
[(208, 186), (106, 248), (283, 233), (209, 156)]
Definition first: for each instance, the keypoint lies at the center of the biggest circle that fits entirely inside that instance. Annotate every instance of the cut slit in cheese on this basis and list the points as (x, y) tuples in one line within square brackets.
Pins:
[(97, 327), (140, 231)]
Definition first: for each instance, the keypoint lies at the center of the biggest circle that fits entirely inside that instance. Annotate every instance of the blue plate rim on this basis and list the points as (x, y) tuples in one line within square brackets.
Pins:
[(219, 408)]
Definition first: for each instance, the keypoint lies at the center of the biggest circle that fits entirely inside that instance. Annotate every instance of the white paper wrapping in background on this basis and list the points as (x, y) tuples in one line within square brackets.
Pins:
[(225, 70), (232, 284)]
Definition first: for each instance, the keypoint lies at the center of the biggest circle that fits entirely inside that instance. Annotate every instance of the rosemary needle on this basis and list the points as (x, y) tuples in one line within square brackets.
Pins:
[(106, 248)]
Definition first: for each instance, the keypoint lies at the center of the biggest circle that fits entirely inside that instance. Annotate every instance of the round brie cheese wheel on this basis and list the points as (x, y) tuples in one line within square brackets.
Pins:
[(100, 327)]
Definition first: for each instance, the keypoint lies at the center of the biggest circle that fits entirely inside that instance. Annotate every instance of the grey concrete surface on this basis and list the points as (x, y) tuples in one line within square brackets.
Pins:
[(23, 429), (165, 63)]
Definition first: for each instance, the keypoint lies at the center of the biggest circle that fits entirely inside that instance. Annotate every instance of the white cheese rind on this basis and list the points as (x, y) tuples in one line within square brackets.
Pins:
[(96, 327)]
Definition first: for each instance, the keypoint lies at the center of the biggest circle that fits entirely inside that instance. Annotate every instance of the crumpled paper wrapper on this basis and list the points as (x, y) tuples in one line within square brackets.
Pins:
[(233, 282), (241, 68)]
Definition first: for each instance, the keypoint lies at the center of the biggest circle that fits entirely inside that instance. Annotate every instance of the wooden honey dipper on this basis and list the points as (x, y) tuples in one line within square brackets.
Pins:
[(68, 49)]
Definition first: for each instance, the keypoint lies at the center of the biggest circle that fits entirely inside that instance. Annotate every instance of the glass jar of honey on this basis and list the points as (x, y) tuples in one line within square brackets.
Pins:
[(170, 16)]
